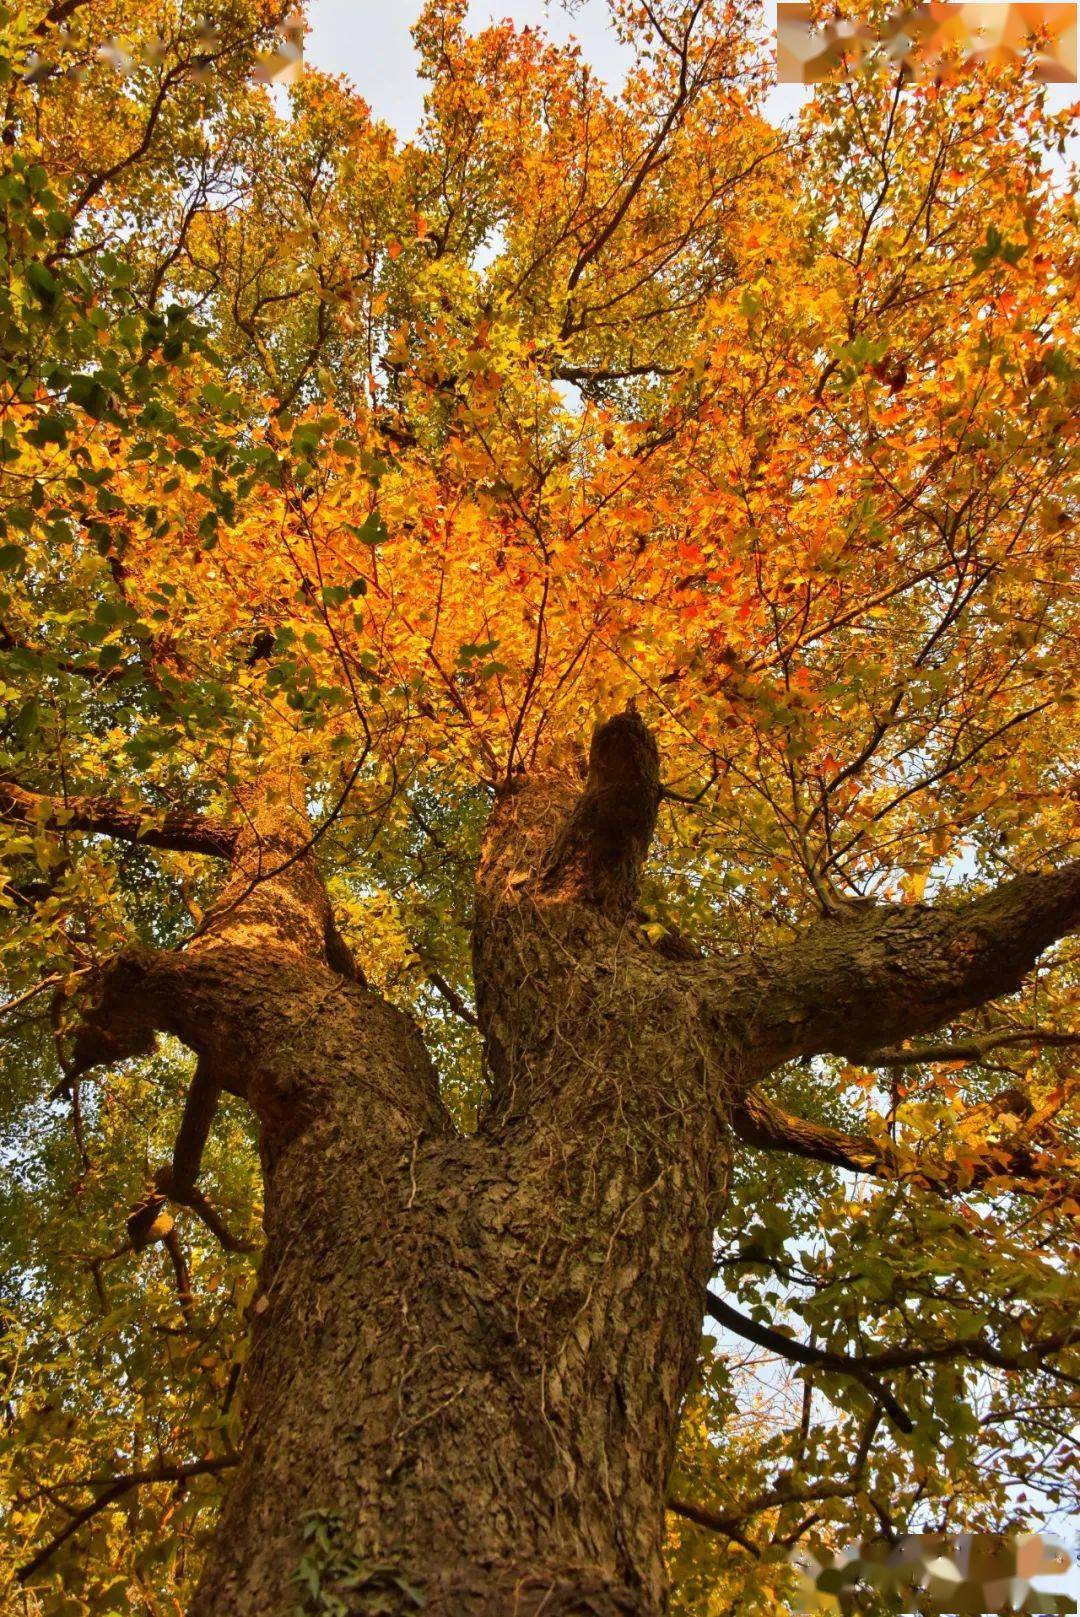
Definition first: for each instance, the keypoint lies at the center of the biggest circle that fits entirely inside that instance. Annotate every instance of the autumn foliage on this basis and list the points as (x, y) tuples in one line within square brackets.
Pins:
[(412, 459)]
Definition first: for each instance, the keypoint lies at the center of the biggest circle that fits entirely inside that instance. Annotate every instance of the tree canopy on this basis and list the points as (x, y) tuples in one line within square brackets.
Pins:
[(414, 459)]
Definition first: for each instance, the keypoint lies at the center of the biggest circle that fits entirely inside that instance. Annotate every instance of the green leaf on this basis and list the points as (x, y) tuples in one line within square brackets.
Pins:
[(43, 282), (749, 304), (27, 720), (371, 532), (474, 649), (49, 429), (305, 440), (89, 394)]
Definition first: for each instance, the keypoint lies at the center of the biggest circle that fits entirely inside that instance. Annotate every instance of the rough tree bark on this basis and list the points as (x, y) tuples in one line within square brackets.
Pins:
[(472, 1351)]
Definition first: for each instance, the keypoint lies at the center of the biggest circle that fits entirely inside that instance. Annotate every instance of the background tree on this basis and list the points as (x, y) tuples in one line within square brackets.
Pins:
[(349, 488)]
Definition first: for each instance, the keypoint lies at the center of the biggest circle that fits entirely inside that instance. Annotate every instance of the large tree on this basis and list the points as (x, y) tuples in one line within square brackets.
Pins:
[(539, 674)]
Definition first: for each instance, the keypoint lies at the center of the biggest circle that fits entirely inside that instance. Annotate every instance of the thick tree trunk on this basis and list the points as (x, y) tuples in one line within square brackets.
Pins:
[(473, 1350), (470, 1354)]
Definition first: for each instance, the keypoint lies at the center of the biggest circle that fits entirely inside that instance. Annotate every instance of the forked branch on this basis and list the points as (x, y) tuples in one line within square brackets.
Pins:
[(786, 1347), (177, 1180), (867, 1367), (730, 1522), (115, 1488)]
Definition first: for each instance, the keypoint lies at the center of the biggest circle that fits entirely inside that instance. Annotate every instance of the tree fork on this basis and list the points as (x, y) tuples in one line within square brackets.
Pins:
[(470, 1353), (475, 1353)]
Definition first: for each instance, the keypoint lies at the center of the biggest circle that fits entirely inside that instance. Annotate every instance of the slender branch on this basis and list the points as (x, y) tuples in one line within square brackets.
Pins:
[(729, 1522), (114, 1489), (30, 993), (701, 1517), (760, 1123), (653, 156), (64, 665), (804, 1353), (583, 375), (969, 1050), (203, 1209), (77, 1126), (182, 1273), (977, 1350), (450, 994), (671, 796), (865, 1367)]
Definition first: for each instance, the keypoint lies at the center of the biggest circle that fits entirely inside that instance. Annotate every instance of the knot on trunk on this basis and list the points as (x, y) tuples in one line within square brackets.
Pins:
[(598, 855)]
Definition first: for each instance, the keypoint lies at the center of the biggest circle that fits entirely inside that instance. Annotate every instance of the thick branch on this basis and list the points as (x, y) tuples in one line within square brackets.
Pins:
[(200, 1109), (177, 1180), (553, 840), (760, 1123), (118, 1012), (174, 829), (882, 973)]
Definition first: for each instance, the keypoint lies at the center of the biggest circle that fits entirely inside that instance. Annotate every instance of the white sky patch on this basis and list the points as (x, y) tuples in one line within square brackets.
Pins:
[(370, 42)]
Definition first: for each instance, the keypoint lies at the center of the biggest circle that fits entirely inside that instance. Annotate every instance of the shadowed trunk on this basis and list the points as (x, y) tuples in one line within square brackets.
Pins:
[(474, 1350)]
